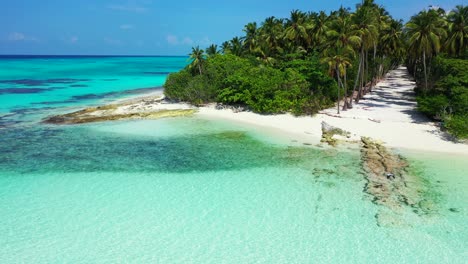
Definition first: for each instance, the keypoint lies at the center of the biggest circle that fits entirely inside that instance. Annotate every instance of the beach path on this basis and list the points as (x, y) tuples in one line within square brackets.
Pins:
[(389, 114)]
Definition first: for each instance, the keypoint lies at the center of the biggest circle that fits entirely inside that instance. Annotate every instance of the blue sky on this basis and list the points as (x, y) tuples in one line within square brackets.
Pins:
[(151, 27)]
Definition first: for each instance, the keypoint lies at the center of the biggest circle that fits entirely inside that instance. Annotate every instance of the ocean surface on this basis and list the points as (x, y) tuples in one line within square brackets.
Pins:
[(193, 190)]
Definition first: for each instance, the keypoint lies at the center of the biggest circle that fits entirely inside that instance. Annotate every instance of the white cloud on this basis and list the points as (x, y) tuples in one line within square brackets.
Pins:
[(187, 41), (17, 36), (204, 42), (129, 8), (113, 42), (126, 27), (73, 39), (173, 40)]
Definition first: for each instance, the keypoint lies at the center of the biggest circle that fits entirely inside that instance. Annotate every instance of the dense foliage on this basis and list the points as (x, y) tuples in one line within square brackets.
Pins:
[(442, 79), (232, 80), (300, 64), (303, 63), (447, 100)]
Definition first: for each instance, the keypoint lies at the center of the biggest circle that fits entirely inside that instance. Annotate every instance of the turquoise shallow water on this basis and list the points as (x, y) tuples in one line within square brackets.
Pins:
[(40, 82), (190, 190)]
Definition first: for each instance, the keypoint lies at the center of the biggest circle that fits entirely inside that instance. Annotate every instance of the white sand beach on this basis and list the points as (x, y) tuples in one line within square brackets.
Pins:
[(387, 114)]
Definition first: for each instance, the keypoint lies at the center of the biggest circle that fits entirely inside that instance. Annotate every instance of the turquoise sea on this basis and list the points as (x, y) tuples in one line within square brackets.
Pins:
[(193, 190)]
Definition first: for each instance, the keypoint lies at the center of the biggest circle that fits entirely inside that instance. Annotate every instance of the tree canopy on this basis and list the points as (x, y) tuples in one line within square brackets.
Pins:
[(302, 63)]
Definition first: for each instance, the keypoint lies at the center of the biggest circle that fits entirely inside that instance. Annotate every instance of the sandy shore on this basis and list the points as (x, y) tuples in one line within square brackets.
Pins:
[(387, 114)]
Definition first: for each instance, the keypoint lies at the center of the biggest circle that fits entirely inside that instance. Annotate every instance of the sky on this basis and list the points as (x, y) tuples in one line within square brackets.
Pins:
[(152, 27)]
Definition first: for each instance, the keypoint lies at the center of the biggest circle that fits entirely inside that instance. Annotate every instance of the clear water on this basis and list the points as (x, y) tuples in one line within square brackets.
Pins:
[(40, 82), (189, 190)]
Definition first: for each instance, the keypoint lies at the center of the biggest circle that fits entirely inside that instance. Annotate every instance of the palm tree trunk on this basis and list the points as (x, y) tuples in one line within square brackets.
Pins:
[(366, 74), (360, 76), (355, 83), (425, 73), (374, 74), (339, 82), (345, 105)]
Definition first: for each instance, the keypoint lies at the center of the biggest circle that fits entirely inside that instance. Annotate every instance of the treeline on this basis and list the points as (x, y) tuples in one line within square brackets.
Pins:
[(310, 60), (299, 64), (437, 57)]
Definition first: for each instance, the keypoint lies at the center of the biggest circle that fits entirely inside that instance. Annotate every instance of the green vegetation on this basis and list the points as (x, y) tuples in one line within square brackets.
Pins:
[(304, 63), (437, 58), (300, 64)]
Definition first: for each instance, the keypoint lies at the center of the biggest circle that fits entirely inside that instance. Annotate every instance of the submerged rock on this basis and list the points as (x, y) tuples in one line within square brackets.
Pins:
[(390, 183), (146, 108), (84, 117)]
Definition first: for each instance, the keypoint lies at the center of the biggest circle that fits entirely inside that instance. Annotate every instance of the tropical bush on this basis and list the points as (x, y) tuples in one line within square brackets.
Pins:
[(231, 80), (447, 100), (304, 63)]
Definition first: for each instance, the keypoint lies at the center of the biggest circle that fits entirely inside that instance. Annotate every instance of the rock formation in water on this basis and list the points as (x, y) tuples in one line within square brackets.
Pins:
[(332, 135), (146, 108), (391, 185)]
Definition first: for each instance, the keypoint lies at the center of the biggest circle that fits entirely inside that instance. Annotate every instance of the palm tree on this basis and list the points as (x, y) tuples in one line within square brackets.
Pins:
[(296, 29), (391, 42), (342, 37), (319, 30), (250, 39), (365, 27), (425, 31), (338, 61), (457, 42), (198, 57), (236, 46), (226, 47), (263, 52), (270, 32), (212, 50)]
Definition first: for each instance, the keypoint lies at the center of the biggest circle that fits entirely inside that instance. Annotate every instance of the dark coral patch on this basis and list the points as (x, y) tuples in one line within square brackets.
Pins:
[(87, 96), (32, 82), (27, 82), (22, 90), (157, 73)]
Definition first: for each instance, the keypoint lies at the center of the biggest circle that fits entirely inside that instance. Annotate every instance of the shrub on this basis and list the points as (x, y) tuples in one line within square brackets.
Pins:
[(457, 125), (298, 86)]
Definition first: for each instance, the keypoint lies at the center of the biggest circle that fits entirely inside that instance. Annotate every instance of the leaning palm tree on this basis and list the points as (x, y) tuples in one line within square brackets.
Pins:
[(365, 27), (457, 42), (338, 60), (198, 57), (391, 43), (342, 36), (425, 31)]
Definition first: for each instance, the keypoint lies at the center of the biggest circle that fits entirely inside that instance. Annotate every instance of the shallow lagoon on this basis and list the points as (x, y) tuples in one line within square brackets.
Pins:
[(193, 190), (190, 189)]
